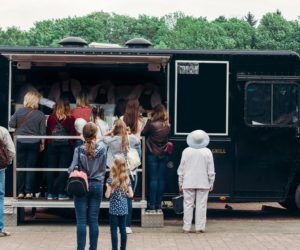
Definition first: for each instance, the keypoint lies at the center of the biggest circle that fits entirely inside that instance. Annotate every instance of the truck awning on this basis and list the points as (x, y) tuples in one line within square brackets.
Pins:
[(58, 59)]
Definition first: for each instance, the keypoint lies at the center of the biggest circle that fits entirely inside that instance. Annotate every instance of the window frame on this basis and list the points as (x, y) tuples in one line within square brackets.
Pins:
[(271, 83), (176, 132)]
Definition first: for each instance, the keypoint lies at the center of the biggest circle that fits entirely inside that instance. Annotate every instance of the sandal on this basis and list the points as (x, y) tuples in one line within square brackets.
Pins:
[(4, 233)]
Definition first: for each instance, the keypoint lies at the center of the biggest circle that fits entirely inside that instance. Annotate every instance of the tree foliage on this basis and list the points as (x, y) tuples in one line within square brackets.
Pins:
[(175, 30)]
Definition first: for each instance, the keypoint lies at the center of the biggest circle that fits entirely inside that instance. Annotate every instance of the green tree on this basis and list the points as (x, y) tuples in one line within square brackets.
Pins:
[(250, 18), (13, 36)]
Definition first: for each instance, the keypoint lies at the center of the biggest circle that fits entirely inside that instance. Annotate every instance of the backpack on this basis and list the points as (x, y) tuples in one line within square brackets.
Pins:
[(4, 156), (77, 184), (59, 130)]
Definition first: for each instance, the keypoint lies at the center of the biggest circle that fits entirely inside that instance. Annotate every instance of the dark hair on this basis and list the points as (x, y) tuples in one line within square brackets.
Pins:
[(89, 133), (120, 107), (132, 114), (97, 111), (160, 114)]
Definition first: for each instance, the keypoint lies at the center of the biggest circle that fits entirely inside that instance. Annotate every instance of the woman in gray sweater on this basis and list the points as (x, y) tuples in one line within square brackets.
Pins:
[(28, 120)]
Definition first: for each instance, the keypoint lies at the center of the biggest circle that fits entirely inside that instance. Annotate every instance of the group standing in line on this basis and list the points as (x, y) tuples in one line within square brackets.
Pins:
[(101, 148)]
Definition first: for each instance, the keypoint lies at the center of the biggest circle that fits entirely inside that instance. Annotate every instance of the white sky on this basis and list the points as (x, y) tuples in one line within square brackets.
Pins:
[(23, 13)]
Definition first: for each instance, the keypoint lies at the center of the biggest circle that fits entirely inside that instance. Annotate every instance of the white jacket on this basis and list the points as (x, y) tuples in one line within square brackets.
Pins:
[(196, 169)]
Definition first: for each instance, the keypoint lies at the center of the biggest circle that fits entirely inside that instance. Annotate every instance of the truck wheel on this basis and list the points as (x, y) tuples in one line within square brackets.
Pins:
[(297, 197)]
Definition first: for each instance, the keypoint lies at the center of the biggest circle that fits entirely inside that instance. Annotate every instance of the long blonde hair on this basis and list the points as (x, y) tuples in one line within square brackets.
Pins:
[(82, 100), (119, 174), (89, 133), (32, 99), (120, 129), (61, 109)]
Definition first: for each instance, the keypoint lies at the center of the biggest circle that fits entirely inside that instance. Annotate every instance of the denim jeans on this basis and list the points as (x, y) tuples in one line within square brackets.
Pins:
[(59, 156), (156, 174), (27, 155), (116, 221), (2, 192), (87, 212), (134, 182)]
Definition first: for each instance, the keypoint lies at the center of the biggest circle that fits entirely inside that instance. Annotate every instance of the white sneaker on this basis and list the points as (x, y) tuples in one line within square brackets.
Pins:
[(128, 230)]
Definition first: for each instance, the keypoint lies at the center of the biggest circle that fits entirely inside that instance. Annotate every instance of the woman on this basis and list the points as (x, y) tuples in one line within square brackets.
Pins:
[(118, 141), (83, 109), (92, 156), (134, 121), (28, 120), (59, 151), (196, 175), (98, 119), (156, 131)]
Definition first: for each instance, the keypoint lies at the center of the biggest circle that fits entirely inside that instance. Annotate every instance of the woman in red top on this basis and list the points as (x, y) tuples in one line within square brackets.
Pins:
[(83, 109), (59, 151)]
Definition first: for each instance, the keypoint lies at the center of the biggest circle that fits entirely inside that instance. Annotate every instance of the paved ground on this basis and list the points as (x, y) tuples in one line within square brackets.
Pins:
[(244, 227)]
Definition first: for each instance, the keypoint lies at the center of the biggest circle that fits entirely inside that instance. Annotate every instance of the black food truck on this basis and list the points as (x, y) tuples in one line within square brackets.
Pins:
[(247, 101)]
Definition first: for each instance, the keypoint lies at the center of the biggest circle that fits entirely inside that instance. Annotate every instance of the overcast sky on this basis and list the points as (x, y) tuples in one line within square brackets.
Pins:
[(23, 13)]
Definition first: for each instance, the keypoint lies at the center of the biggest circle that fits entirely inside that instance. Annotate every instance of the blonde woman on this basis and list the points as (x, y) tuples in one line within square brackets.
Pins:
[(156, 130), (83, 109), (28, 120), (118, 141), (92, 156), (118, 190), (59, 151)]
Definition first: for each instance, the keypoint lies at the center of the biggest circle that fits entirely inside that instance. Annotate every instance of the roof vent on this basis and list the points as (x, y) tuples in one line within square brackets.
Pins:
[(73, 41), (138, 43)]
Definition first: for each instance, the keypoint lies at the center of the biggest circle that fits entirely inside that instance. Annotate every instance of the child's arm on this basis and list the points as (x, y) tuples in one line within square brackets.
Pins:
[(108, 191), (130, 192)]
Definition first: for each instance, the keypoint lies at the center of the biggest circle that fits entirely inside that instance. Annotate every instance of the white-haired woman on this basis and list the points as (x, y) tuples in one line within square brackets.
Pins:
[(196, 175), (28, 120)]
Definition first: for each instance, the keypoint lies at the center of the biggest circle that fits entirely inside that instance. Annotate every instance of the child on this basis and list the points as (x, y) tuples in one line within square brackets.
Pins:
[(196, 175), (118, 190)]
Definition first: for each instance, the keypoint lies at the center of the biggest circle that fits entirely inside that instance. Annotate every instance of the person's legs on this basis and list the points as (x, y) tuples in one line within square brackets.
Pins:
[(122, 227), (2, 193), (81, 210), (188, 208), (21, 160), (52, 163), (65, 158), (153, 177), (94, 200), (32, 156), (201, 208), (161, 181), (129, 200), (113, 221)]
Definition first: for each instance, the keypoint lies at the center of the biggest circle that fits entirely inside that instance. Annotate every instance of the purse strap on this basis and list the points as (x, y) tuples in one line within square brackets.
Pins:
[(79, 161), (25, 119)]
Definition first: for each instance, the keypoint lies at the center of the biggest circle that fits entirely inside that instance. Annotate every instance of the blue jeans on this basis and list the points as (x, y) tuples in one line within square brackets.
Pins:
[(116, 221), (156, 174), (2, 192), (87, 211), (134, 182)]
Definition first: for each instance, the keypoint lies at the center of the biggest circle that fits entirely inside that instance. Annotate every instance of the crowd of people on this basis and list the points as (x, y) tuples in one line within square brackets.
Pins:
[(102, 148)]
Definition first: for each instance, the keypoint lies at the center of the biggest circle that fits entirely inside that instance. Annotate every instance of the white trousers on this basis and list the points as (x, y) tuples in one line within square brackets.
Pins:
[(194, 198)]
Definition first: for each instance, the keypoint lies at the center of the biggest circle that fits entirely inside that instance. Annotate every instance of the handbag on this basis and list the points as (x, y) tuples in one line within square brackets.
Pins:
[(132, 157), (77, 184), (178, 204)]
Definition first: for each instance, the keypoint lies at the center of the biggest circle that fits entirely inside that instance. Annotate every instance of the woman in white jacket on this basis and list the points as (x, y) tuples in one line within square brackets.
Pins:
[(196, 175)]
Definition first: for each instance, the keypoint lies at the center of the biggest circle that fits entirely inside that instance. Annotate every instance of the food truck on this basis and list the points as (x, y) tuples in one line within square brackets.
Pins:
[(247, 101)]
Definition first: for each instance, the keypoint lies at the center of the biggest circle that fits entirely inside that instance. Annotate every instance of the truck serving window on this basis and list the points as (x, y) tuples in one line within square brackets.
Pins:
[(271, 104), (201, 97)]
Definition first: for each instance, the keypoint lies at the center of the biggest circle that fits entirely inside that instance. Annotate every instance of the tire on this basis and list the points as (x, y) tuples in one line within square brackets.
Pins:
[(297, 197)]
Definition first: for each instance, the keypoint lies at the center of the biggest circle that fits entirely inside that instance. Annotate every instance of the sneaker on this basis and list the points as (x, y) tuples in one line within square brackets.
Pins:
[(159, 211), (151, 211), (28, 196), (4, 233), (63, 197), (200, 231), (128, 230), (21, 196)]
